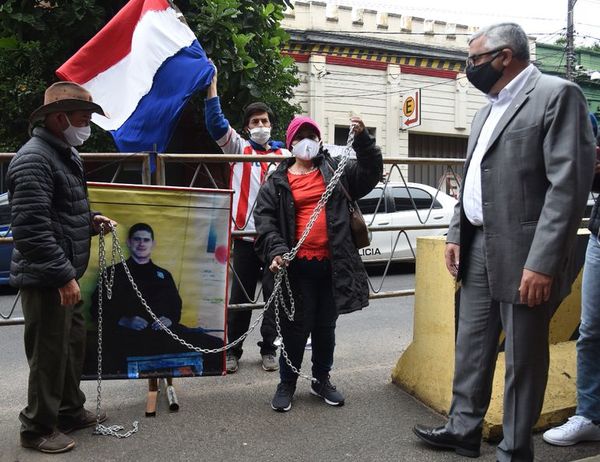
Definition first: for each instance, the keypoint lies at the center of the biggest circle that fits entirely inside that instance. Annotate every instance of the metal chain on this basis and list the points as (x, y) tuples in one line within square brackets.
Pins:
[(324, 198), (282, 273), (277, 298), (104, 430)]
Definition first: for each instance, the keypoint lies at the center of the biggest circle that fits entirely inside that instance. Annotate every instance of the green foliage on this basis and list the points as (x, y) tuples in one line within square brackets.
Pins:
[(243, 38), (36, 37), (593, 47)]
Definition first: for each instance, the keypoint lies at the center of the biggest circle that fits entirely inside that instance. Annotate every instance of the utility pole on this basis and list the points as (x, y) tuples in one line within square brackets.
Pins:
[(570, 47)]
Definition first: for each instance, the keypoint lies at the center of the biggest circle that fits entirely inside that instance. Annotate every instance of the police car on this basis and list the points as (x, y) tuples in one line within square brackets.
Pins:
[(400, 204)]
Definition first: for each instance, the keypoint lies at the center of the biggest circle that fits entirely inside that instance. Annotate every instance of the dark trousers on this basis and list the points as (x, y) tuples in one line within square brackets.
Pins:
[(55, 349), (249, 270), (481, 319), (316, 315)]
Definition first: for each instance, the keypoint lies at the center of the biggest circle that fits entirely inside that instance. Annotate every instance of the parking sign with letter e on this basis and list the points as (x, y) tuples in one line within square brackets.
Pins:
[(411, 109)]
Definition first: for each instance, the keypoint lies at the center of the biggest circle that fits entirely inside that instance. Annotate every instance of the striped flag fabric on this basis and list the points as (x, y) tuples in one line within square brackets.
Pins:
[(142, 67)]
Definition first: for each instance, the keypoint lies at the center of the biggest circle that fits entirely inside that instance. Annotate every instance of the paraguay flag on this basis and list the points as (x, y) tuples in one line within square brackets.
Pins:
[(141, 68)]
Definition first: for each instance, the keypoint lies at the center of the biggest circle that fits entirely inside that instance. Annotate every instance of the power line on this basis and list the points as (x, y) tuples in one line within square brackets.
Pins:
[(383, 92), (368, 52), (586, 36), (595, 26), (381, 32), (354, 94), (457, 13), (356, 53), (539, 60)]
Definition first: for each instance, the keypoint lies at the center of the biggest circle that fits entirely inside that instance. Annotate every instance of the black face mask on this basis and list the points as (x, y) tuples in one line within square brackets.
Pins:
[(484, 76)]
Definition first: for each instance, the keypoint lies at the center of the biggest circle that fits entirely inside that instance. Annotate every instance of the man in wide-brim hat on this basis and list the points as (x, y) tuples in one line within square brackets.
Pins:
[(65, 97), (52, 227)]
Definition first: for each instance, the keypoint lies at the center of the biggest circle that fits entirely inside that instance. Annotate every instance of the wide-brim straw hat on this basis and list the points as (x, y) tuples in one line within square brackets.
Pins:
[(65, 97)]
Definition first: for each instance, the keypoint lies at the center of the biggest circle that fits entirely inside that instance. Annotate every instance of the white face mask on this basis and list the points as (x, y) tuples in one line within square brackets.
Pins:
[(260, 135), (76, 136), (306, 149)]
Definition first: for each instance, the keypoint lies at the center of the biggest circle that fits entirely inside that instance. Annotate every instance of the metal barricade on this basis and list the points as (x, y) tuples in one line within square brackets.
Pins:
[(151, 168)]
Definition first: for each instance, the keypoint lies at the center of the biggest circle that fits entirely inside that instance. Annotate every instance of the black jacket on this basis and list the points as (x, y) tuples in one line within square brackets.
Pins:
[(50, 213), (156, 285), (275, 219)]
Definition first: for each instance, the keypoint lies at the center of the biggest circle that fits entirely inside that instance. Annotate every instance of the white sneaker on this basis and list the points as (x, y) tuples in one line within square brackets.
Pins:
[(575, 430)]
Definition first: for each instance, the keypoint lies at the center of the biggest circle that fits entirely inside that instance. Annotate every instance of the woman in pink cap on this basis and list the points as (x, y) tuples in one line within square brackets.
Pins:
[(327, 276)]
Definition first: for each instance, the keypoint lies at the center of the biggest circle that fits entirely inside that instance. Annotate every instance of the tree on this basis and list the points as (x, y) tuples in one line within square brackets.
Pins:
[(595, 46), (243, 37)]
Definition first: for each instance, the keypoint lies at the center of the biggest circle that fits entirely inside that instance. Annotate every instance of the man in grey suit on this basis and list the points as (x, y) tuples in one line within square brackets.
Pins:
[(529, 169)]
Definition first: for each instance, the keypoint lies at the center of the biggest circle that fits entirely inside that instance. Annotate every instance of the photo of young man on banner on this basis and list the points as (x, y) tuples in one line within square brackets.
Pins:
[(176, 245)]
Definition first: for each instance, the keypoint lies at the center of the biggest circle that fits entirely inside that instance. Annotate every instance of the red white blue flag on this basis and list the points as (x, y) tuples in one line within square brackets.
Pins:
[(142, 67)]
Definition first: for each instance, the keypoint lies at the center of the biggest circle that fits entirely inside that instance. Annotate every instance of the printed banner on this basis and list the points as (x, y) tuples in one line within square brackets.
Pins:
[(176, 242)]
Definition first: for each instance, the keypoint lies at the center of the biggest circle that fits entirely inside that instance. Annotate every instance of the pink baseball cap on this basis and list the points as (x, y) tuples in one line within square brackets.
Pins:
[(295, 125)]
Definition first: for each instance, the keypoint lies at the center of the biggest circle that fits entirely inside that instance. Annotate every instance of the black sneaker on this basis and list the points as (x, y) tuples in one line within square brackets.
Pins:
[(282, 401), (326, 390)]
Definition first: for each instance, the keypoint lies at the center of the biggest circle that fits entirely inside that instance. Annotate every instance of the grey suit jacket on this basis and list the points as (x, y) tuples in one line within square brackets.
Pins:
[(536, 175)]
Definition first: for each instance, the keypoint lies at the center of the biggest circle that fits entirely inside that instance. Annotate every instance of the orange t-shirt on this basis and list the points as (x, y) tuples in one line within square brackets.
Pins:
[(307, 189)]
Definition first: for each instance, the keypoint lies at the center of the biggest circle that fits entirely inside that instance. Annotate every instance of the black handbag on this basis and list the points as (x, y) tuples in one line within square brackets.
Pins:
[(358, 226)]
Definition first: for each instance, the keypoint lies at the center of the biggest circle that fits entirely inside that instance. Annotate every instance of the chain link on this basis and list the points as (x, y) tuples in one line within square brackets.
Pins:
[(106, 279), (282, 273), (104, 430)]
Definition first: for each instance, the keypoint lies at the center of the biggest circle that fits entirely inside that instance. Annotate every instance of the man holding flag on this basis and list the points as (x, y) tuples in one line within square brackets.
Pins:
[(246, 179)]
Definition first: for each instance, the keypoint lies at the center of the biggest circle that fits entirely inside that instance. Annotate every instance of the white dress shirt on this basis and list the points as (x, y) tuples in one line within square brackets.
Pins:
[(471, 197)]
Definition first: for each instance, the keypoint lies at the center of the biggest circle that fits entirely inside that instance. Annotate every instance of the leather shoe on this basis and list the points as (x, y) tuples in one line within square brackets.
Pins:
[(441, 438), (86, 420)]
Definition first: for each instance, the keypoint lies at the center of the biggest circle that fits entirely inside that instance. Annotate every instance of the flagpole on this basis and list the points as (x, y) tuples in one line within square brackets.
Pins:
[(180, 15)]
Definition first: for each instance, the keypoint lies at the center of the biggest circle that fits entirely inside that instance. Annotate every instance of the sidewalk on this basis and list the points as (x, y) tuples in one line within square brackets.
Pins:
[(224, 419)]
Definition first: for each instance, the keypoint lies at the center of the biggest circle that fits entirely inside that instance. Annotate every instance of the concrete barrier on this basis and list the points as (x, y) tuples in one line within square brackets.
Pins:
[(426, 368)]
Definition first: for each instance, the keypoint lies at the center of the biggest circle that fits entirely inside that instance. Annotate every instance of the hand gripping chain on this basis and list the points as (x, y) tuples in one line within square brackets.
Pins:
[(106, 280)]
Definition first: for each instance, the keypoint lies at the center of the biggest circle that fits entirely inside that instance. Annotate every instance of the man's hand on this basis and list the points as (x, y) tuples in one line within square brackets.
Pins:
[(534, 288), (69, 293), (101, 219), (212, 88), (166, 321), (452, 256), (277, 263), (358, 126), (133, 322)]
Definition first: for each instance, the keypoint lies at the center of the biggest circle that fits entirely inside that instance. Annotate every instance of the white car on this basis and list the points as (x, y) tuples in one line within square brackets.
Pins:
[(397, 204)]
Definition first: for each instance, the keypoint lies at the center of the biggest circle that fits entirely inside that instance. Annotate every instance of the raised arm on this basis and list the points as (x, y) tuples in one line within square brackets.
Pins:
[(367, 171), (217, 125)]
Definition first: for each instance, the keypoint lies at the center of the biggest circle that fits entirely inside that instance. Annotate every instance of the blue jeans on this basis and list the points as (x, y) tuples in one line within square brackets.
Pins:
[(316, 314), (588, 344)]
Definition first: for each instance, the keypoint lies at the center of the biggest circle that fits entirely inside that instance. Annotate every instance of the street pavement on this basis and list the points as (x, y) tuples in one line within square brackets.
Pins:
[(230, 419)]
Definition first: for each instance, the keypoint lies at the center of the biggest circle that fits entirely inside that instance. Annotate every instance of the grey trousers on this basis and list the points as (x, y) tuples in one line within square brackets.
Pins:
[(481, 320), (55, 349)]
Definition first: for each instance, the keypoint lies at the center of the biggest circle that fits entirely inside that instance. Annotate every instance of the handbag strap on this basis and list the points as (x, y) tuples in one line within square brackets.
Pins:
[(341, 185), (352, 205)]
